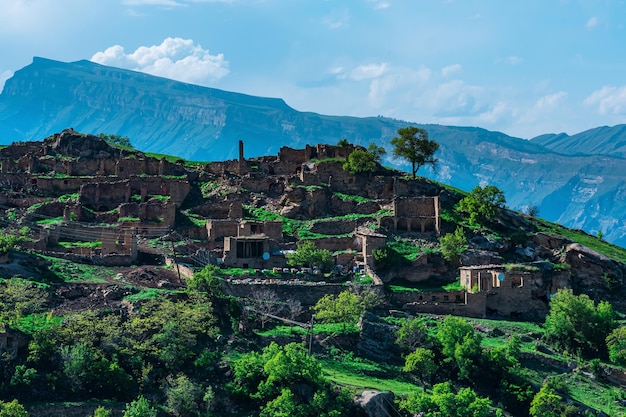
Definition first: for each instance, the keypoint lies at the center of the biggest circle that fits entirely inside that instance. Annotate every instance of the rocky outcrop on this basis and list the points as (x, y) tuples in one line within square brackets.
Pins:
[(377, 404), (480, 257), (592, 271), (376, 339)]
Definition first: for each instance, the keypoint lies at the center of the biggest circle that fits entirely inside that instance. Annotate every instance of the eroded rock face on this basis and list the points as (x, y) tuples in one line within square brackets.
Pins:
[(377, 404), (376, 339), (592, 270)]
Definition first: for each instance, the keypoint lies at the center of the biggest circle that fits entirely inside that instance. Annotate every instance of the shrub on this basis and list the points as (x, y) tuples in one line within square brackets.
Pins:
[(140, 407), (453, 244)]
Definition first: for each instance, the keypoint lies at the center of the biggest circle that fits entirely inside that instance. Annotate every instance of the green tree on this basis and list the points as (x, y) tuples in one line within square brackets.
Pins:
[(483, 203), (421, 363), (182, 396), (12, 409), (140, 407), (460, 344), (414, 146), (360, 161), (576, 323), (616, 343), (207, 280), (387, 257), (444, 402), (412, 334), (118, 140), (345, 307), (286, 382), (101, 412), (343, 142), (377, 151), (453, 244), (546, 403), (307, 254), (7, 241)]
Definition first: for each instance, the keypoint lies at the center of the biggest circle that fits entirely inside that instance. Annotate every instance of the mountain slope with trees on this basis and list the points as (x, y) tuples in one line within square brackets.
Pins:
[(577, 182)]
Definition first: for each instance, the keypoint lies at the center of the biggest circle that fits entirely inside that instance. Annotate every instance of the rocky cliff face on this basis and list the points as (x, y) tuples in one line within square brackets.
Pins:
[(198, 123)]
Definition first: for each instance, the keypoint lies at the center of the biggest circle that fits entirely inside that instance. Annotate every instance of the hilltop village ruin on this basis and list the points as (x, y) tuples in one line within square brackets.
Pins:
[(74, 188)]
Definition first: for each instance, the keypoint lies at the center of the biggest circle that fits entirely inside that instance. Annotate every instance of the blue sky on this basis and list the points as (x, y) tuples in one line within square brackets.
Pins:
[(520, 67)]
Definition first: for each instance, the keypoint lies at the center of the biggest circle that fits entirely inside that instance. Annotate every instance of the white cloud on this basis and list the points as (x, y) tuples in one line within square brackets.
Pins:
[(513, 60), (451, 69), (592, 23), (610, 100), (550, 101), (4, 76), (175, 58), (380, 4), (369, 71), (336, 20)]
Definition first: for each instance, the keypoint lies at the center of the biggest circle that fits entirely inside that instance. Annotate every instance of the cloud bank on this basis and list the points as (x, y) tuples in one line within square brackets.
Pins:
[(175, 58)]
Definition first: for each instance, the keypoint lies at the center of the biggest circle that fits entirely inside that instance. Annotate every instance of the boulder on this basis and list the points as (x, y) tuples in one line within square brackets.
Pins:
[(377, 404), (486, 243)]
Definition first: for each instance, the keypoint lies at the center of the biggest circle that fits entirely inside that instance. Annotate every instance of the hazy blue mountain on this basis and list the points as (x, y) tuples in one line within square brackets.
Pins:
[(199, 123), (605, 140)]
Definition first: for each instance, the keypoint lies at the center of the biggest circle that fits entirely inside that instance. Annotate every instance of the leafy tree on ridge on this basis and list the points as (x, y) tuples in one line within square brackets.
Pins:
[(414, 146)]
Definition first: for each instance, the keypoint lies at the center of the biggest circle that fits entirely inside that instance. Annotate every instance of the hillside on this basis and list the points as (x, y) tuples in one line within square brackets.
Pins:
[(107, 295), (575, 185)]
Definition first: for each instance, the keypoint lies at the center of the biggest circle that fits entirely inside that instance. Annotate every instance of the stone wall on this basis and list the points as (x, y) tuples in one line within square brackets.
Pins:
[(337, 243), (307, 293), (475, 305)]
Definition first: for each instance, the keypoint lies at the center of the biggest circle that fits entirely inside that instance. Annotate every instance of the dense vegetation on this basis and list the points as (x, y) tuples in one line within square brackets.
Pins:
[(197, 352)]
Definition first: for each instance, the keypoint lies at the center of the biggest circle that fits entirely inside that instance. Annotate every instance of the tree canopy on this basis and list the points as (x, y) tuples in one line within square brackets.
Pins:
[(575, 323), (307, 254), (483, 203), (346, 307), (414, 146)]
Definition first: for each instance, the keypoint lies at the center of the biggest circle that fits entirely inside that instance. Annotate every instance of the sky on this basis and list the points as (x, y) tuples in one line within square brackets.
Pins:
[(524, 68)]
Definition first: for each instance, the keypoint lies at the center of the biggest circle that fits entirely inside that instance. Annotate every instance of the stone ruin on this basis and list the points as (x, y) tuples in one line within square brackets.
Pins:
[(85, 182)]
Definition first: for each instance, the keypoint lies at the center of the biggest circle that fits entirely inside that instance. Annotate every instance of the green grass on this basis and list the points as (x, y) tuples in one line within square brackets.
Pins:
[(36, 322), (425, 287), (593, 393), (520, 267), (128, 219), (407, 249), (350, 197), (74, 272), (196, 219), (361, 375), (80, 244), (55, 220), (158, 197), (146, 294), (68, 198), (329, 329), (236, 272), (454, 286)]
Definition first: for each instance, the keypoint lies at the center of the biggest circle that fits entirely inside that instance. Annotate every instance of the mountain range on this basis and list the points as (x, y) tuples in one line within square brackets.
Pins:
[(578, 181)]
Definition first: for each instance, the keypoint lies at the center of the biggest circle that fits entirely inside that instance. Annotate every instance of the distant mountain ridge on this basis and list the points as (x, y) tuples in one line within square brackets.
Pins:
[(605, 140), (578, 180)]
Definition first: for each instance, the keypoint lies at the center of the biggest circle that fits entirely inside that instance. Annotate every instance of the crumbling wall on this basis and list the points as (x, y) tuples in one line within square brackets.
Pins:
[(473, 305)]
